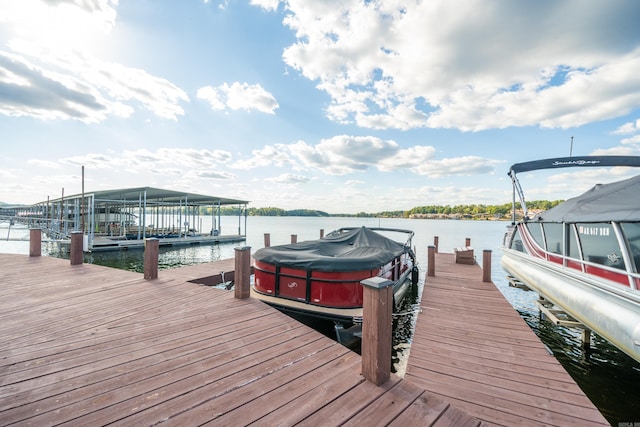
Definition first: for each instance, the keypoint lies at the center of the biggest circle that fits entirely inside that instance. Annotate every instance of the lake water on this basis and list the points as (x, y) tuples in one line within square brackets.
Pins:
[(609, 377)]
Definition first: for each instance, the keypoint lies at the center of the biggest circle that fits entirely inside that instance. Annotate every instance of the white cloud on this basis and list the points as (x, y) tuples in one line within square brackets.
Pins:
[(466, 165), (277, 155), (270, 5), (469, 65), (289, 178), (171, 161), (239, 96), (345, 154), (43, 163), (551, 185), (412, 157), (627, 128), (50, 73)]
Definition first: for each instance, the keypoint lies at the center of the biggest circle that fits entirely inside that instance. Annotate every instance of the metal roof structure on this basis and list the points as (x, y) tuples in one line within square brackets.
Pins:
[(156, 195)]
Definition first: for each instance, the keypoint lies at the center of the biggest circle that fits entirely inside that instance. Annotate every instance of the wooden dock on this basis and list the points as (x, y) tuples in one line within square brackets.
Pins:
[(472, 349), (89, 345)]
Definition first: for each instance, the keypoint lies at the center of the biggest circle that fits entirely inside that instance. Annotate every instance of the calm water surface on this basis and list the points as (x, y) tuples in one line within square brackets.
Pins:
[(610, 378)]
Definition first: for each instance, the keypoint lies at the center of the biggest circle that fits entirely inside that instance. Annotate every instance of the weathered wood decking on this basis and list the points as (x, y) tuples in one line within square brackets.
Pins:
[(89, 345), (471, 348)]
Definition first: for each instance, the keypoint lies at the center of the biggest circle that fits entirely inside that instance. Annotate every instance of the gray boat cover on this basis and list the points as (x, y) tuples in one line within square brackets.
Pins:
[(617, 201), (353, 250)]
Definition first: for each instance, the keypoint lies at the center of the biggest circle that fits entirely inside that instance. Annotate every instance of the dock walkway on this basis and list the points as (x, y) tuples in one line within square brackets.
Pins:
[(89, 345), (472, 349)]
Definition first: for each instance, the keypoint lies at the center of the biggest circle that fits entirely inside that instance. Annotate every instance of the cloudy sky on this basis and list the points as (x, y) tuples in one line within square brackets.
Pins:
[(339, 105)]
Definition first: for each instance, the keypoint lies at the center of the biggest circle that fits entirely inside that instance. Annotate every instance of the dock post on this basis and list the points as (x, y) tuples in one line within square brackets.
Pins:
[(435, 243), (151, 245), (486, 265), (377, 327), (467, 242), (294, 238), (76, 247), (267, 240), (431, 261), (35, 242), (242, 273), (321, 233), (585, 339)]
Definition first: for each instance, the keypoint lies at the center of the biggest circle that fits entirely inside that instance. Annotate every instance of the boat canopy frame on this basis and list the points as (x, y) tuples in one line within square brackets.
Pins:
[(561, 162)]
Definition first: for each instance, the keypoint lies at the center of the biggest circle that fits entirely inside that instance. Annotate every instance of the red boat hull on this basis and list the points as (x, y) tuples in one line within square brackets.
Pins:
[(326, 289)]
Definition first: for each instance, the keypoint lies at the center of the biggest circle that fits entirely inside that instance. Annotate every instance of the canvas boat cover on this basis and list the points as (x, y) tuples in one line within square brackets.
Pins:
[(617, 201), (354, 250)]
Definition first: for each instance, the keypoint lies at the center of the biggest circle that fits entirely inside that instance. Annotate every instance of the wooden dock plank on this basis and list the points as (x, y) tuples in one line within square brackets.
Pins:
[(340, 410), (471, 348), (90, 345), (281, 403)]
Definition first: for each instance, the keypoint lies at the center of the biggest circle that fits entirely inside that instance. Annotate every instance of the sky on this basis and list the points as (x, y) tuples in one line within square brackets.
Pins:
[(343, 106)]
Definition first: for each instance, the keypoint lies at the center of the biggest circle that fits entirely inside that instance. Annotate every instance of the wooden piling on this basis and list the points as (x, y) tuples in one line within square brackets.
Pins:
[(585, 339), (151, 253), (486, 265), (377, 325), (431, 261), (75, 256), (35, 242), (294, 238), (435, 243), (267, 240), (467, 242), (242, 273), (321, 233)]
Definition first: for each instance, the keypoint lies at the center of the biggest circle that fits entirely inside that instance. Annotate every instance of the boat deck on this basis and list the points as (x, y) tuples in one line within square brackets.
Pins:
[(471, 348), (91, 345)]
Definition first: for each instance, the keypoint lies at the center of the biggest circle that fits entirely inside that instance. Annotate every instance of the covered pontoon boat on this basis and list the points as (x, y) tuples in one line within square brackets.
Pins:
[(584, 254), (321, 278)]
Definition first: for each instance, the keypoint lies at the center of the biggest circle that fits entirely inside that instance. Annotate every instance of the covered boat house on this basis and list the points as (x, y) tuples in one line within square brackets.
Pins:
[(122, 219)]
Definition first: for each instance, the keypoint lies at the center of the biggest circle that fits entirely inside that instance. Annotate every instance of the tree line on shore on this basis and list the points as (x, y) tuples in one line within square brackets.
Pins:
[(463, 211)]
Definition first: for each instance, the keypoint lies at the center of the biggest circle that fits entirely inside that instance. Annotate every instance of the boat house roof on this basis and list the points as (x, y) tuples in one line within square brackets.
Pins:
[(617, 201), (156, 195)]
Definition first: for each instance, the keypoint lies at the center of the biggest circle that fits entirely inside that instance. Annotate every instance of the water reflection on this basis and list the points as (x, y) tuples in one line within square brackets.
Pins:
[(605, 374)]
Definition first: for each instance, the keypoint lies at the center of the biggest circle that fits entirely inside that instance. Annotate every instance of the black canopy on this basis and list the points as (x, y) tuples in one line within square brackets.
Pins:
[(577, 161), (618, 201), (353, 250)]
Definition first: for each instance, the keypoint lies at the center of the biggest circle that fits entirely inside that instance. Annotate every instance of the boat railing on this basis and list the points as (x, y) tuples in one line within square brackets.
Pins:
[(624, 276), (618, 275)]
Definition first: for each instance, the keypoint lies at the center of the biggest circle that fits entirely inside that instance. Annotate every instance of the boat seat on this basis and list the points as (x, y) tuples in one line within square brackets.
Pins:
[(464, 255)]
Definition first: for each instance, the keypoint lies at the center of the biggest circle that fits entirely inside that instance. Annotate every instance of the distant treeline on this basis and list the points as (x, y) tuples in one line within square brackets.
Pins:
[(475, 210), (462, 210)]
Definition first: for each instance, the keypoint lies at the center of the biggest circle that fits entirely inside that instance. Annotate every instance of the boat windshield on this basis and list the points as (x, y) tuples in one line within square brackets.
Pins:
[(536, 233), (631, 231), (600, 244)]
